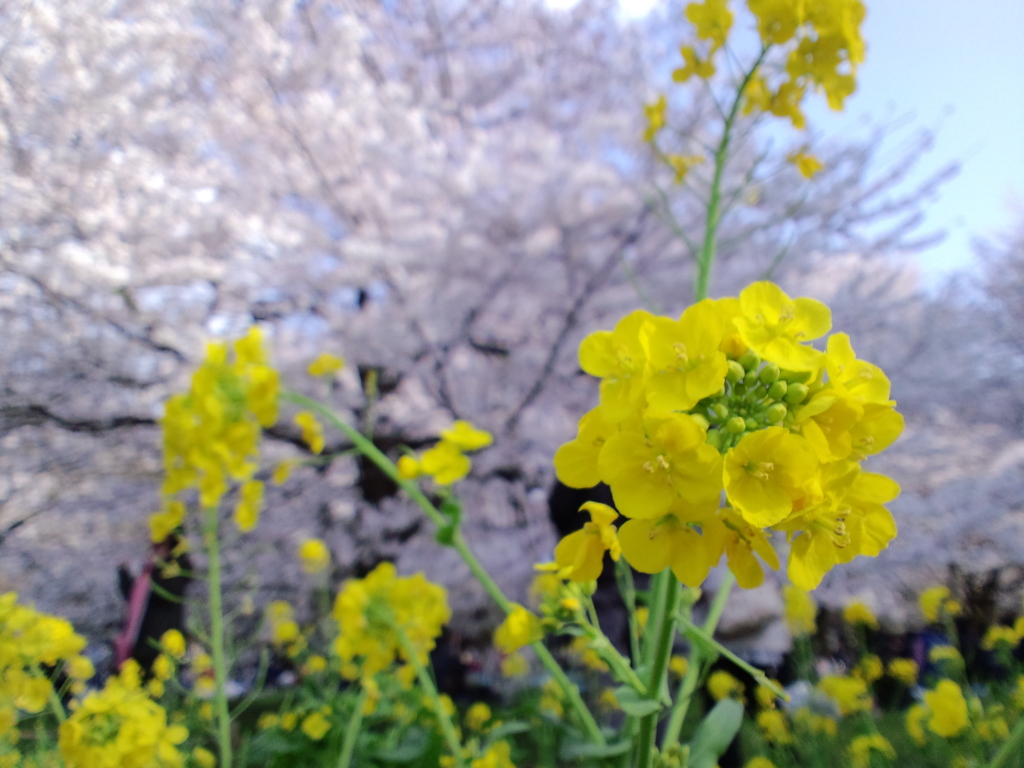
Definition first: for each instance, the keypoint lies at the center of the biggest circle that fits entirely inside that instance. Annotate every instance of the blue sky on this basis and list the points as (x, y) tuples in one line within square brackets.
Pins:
[(954, 67)]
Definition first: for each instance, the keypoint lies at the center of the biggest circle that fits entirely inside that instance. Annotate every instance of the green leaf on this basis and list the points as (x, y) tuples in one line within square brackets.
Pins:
[(582, 750), (411, 747), (715, 733), (634, 704), (507, 729)]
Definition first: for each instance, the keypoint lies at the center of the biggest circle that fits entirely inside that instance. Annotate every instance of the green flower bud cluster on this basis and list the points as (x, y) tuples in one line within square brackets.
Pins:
[(755, 395)]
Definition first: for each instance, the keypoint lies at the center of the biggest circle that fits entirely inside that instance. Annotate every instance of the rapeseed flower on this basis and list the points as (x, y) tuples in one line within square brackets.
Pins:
[(947, 709), (935, 603), (808, 165), (314, 556), (325, 364), (312, 430), (378, 614), (849, 693), (862, 746), (732, 396), (519, 628), (722, 685), (857, 613), (581, 553), (904, 670)]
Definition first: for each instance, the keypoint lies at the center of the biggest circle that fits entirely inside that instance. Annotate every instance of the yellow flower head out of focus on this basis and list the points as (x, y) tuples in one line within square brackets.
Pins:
[(325, 364), (937, 602), (947, 709), (121, 726), (849, 693), (581, 553), (732, 396), (862, 746), (212, 432), (446, 462), (314, 556), (378, 613), (520, 628), (808, 165), (859, 614)]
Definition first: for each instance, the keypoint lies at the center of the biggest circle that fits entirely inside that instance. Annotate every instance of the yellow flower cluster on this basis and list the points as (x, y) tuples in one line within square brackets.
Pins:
[(28, 640), (820, 41), (377, 614), (447, 462), (212, 432), (945, 709), (937, 603), (121, 726), (732, 396), (862, 746)]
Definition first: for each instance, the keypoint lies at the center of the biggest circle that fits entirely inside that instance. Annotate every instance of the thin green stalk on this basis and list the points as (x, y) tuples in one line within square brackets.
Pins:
[(220, 700), (447, 729), (662, 636), (352, 730), (374, 454), (707, 251), (624, 577), (693, 672), (57, 706)]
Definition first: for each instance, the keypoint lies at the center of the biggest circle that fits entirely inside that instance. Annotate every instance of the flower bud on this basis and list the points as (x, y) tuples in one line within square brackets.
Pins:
[(751, 424), (721, 410), (796, 393), (699, 418), (736, 425), (794, 377), (750, 379), (776, 413), (734, 372), (714, 439), (749, 360), (777, 390), (769, 374)]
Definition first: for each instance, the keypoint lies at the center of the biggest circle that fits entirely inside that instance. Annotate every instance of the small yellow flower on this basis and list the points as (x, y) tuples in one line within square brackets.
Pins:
[(204, 758), (250, 503), (870, 668), (288, 721), (79, 668), (163, 667), (173, 642), (314, 556), (904, 670), (713, 20), (682, 164), (857, 613), (862, 746), (312, 430), (519, 628), (445, 462), (915, 723), (477, 716), (849, 693), (655, 114), (722, 685), (774, 727), (999, 636), (678, 665), (268, 720), (515, 665), (937, 602), (315, 726), (466, 437), (779, 328), (409, 467), (808, 165), (314, 665), (324, 364), (759, 762), (283, 471), (940, 653)]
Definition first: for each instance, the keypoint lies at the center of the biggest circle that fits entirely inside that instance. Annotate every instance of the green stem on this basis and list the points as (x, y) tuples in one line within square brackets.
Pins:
[(624, 577), (58, 707), (447, 729), (1012, 746), (693, 672), (707, 251), (662, 635), (374, 454), (352, 730), (217, 637)]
